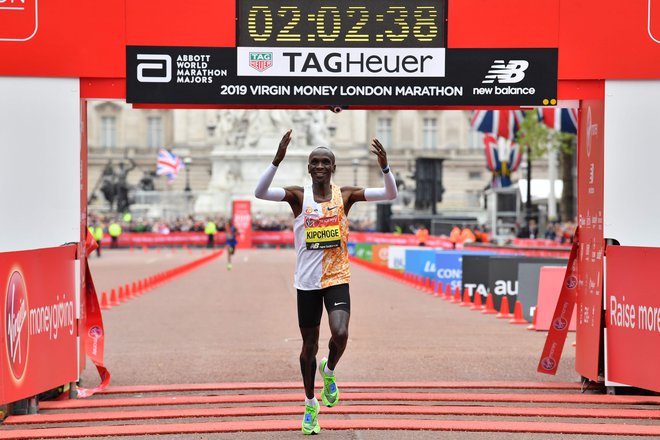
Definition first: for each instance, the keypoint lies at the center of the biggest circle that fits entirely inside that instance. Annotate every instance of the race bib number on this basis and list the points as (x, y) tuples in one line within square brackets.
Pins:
[(322, 232)]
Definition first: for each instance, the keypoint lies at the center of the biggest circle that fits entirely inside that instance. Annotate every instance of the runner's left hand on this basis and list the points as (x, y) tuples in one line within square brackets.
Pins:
[(379, 151)]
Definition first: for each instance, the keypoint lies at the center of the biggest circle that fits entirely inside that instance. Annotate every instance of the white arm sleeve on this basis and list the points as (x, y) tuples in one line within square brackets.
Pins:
[(389, 192), (263, 189)]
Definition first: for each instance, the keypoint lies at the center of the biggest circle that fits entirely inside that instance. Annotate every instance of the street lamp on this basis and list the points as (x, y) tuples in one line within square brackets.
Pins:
[(187, 161), (356, 162)]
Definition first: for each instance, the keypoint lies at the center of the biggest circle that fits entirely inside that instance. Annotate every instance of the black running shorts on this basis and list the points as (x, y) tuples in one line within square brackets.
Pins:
[(310, 303)]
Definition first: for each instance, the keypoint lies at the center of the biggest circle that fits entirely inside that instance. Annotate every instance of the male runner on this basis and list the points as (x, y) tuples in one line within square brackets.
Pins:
[(231, 242), (322, 273)]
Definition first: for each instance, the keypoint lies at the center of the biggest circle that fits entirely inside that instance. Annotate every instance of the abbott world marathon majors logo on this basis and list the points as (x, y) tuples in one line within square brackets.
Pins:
[(182, 68), (19, 19), (16, 314)]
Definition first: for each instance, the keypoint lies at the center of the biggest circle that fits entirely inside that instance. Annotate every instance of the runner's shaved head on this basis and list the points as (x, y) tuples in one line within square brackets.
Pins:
[(324, 150)]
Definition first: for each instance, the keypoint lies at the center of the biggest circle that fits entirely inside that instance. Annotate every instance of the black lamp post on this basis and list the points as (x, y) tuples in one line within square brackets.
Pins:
[(187, 161)]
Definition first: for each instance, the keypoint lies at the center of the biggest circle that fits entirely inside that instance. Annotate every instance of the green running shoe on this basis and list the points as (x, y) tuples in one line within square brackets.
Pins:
[(309, 424), (330, 392)]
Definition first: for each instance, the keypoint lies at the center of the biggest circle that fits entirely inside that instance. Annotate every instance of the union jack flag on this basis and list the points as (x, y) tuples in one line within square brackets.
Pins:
[(560, 119), (168, 164), (499, 123), (501, 168)]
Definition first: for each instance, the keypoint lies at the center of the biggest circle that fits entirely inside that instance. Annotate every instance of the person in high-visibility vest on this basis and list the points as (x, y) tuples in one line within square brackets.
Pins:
[(422, 235), (210, 230), (115, 231), (97, 233), (455, 235), (467, 236)]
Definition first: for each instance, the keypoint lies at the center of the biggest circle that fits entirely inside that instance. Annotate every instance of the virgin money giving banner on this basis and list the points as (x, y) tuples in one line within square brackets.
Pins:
[(632, 316), (38, 326)]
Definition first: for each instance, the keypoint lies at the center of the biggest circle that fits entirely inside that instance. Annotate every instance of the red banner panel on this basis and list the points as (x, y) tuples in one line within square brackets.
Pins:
[(590, 220), (38, 326), (72, 38), (633, 316), (242, 219)]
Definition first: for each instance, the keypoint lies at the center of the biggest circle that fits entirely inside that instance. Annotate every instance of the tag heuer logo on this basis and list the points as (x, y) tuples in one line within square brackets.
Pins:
[(261, 60)]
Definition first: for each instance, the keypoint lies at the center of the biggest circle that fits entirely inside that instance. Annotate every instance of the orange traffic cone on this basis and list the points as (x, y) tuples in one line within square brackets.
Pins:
[(114, 301), (447, 294), (477, 305), (532, 326), (457, 295), (466, 299), (490, 307), (517, 314), (437, 288), (505, 311), (104, 301)]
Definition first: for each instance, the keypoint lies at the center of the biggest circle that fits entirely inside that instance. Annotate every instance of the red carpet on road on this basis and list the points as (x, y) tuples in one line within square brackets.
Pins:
[(412, 410), (214, 354)]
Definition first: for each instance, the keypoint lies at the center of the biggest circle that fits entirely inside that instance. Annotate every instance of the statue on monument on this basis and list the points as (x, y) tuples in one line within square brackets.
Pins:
[(257, 128)]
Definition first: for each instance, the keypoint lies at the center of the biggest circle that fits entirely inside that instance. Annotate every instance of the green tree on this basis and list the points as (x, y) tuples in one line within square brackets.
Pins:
[(538, 139)]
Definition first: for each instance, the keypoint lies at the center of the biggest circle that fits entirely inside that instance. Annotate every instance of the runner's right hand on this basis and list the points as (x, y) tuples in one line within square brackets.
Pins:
[(281, 150)]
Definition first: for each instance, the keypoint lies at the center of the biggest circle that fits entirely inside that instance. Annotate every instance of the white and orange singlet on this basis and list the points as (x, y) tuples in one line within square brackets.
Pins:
[(321, 242)]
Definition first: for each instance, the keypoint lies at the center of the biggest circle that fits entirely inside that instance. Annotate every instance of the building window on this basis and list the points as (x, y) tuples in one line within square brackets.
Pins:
[(108, 131), (474, 175), (155, 132), (430, 134), (384, 131)]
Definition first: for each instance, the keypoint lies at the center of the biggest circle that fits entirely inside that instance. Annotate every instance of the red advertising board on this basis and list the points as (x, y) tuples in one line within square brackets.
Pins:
[(242, 219), (38, 326), (632, 316), (590, 220)]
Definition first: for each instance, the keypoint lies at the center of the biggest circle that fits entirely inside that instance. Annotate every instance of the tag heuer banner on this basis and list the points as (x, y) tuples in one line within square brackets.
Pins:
[(253, 76)]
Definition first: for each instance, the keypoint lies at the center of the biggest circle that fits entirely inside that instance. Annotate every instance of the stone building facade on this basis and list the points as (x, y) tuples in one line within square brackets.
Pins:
[(226, 150)]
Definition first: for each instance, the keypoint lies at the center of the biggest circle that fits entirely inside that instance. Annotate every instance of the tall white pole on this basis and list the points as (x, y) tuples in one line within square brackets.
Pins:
[(552, 176)]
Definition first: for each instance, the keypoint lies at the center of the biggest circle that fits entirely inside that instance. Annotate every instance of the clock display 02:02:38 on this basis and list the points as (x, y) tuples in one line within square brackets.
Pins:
[(342, 23)]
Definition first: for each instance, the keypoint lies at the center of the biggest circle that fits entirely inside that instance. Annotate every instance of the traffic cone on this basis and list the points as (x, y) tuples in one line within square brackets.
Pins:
[(104, 301), (518, 315), (532, 326), (114, 301), (447, 294), (120, 294), (428, 288), (467, 301), (477, 305), (505, 312), (437, 288), (490, 307), (457, 295)]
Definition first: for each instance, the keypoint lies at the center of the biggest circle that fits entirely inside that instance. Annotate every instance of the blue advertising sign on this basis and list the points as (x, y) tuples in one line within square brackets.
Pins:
[(421, 262), (449, 266), (351, 248)]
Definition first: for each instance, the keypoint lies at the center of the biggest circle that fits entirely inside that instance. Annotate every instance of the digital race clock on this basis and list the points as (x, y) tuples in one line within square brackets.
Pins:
[(342, 23)]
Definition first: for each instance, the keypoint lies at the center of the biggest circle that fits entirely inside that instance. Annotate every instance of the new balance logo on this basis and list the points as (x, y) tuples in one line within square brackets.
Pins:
[(506, 73)]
